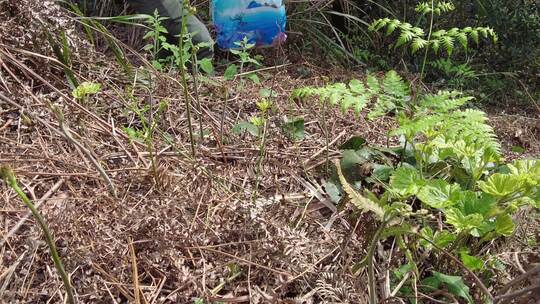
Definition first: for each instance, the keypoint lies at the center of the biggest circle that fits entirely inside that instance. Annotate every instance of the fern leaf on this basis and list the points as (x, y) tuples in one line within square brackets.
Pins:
[(404, 37), (474, 36), (378, 24), (423, 8), (438, 34), (448, 43), (395, 86), (373, 84), (382, 107), (418, 44), (435, 45), (443, 101), (362, 203), (462, 38), (391, 26)]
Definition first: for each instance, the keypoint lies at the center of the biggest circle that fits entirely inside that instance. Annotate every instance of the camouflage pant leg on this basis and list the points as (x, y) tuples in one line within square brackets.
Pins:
[(174, 10)]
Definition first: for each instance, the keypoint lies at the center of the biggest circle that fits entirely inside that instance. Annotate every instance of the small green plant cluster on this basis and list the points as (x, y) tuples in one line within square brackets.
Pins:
[(446, 188), (436, 39), (145, 132), (245, 59), (156, 37), (386, 94), (84, 90), (456, 75), (182, 55)]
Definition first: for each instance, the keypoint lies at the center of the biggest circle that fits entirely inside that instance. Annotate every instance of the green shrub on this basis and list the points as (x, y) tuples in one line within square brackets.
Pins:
[(447, 188)]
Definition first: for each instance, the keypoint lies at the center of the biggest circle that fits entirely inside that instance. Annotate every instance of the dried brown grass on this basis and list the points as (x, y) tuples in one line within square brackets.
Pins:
[(187, 231)]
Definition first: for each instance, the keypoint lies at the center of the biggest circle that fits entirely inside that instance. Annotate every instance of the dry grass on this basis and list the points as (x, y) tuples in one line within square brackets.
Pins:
[(194, 230)]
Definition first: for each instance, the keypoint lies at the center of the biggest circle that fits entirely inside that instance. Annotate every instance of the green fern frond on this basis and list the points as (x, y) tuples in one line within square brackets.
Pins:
[(418, 44), (446, 39), (391, 26), (440, 7), (463, 40), (395, 86), (405, 37), (386, 94), (448, 43), (443, 101), (362, 203), (373, 85), (409, 127), (471, 124)]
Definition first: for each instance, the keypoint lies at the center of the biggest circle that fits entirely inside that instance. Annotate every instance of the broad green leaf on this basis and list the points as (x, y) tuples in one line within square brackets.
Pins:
[(430, 284), (504, 225), (444, 238), (230, 72), (439, 194), (253, 77), (350, 163), (455, 285), (487, 231), (461, 222), (406, 181), (382, 172), (500, 185), (440, 238), (206, 65), (333, 191), (294, 129), (473, 202), (403, 270), (244, 126), (354, 143), (527, 170), (471, 262), (86, 88)]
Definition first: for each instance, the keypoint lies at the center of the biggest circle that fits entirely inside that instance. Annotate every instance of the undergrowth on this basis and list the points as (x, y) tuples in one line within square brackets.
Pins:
[(446, 188)]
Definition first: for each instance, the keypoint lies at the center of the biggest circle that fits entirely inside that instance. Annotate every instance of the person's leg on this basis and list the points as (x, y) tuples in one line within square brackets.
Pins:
[(174, 11)]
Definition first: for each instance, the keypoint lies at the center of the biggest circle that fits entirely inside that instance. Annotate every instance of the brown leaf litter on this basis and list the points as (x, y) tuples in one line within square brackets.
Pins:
[(189, 225)]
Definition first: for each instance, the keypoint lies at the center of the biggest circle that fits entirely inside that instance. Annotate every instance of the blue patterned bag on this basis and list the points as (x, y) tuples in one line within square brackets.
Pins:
[(261, 21)]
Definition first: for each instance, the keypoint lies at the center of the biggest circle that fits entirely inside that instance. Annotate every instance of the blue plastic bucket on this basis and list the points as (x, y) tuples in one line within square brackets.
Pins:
[(261, 21)]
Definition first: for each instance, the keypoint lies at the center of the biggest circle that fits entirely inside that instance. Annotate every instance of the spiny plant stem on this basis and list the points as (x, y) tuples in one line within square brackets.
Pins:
[(428, 39), (222, 123), (185, 84), (8, 175), (327, 139), (195, 64), (65, 131), (149, 128), (369, 261), (262, 147)]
